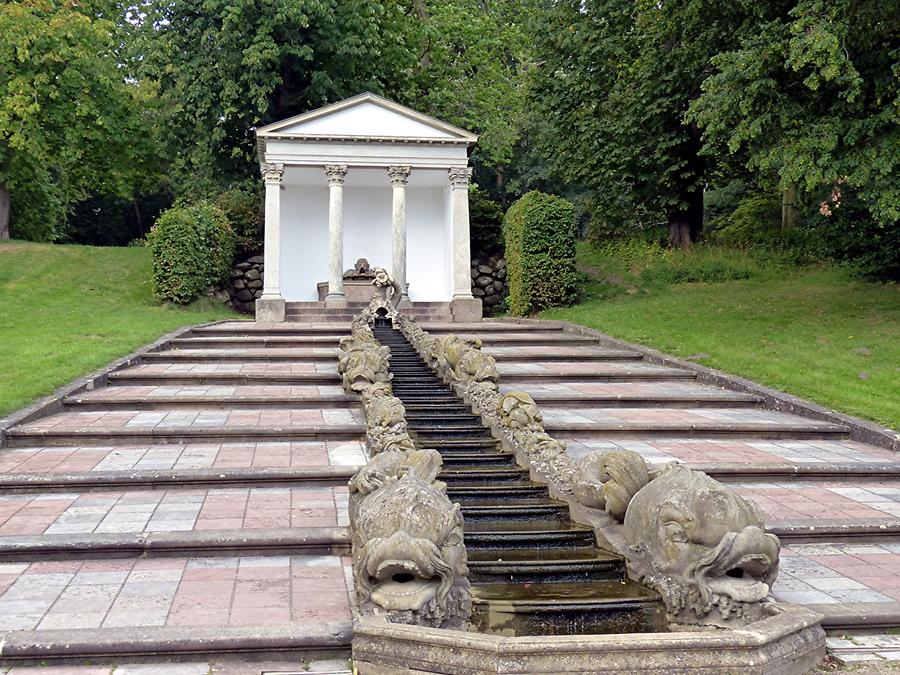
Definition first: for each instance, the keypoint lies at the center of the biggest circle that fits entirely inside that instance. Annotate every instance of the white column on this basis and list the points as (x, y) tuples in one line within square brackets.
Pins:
[(335, 174), (459, 203), (273, 174), (399, 178)]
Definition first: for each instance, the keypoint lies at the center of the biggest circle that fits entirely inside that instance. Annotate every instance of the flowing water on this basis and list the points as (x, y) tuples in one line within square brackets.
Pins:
[(533, 570)]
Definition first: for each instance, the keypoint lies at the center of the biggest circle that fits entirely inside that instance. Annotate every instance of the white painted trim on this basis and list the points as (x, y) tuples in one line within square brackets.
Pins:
[(367, 97)]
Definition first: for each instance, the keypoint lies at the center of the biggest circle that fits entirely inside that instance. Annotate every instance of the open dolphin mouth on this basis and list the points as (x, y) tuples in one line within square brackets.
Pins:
[(401, 585), (410, 580), (741, 567)]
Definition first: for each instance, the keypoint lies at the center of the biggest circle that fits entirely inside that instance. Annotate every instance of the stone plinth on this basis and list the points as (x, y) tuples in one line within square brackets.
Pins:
[(270, 310), (354, 291)]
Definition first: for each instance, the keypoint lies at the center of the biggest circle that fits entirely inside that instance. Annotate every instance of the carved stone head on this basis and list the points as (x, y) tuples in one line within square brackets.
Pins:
[(702, 546), (518, 411), (409, 560)]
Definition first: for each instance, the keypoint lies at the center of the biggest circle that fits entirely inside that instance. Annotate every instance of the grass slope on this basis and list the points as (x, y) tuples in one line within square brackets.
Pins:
[(67, 310), (816, 332)]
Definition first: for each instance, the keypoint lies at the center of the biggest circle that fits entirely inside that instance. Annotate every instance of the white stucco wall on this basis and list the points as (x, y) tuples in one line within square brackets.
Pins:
[(367, 234), (427, 246)]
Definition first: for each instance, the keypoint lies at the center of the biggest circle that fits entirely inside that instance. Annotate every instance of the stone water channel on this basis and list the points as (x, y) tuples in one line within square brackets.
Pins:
[(533, 570)]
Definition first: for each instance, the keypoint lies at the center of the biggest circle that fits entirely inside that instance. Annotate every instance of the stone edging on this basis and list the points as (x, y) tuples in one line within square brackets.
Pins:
[(24, 645), (52, 404), (270, 541), (316, 476), (861, 430), (788, 641)]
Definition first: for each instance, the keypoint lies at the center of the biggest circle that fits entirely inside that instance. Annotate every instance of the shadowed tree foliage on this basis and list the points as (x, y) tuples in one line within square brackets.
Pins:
[(810, 100), (70, 124), (615, 79)]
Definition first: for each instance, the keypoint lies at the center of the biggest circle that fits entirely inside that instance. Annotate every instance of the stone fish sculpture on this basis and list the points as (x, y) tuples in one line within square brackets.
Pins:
[(362, 362), (701, 545), (386, 427), (389, 466), (409, 560)]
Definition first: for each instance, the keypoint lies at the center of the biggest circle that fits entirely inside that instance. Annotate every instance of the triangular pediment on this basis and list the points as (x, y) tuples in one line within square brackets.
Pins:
[(367, 116)]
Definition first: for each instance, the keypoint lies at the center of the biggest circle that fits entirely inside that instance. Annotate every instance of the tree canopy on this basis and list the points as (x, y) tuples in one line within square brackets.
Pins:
[(638, 111)]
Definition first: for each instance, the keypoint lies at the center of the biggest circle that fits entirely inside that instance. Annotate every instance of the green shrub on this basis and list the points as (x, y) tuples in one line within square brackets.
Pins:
[(539, 230), (486, 217), (192, 247), (242, 205)]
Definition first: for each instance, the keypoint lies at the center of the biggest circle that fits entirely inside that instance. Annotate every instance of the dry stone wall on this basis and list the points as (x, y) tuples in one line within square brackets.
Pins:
[(489, 282), (245, 284)]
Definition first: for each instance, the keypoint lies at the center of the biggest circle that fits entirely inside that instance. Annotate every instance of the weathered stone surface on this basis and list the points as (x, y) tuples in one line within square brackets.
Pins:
[(409, 561), (252, 274), (244, 266), (702, 546), (244, 295), (485, 269), (256, 283), (256, 260), (788, 641), (478, 292), (491, 300), (484, 282)]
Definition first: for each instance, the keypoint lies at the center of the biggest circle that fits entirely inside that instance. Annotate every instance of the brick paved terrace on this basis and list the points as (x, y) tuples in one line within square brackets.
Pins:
[(200, 497)]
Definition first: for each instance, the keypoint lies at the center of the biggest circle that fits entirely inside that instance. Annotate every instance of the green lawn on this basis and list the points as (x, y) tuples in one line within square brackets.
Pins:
[(68, 310), (816, 332)]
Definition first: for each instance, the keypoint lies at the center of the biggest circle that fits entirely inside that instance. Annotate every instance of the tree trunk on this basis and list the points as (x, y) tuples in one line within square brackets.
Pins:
[(4, 212), (789, 212), (686, 225)]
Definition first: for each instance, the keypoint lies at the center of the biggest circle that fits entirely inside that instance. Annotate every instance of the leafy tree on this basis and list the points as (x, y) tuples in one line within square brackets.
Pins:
[(69, 122), (615, 80), (470, 60), (811, 99), (234, 65)]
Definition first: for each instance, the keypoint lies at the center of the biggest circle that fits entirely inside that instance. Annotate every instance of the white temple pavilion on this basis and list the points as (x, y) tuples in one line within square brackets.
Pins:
[(365, 178)]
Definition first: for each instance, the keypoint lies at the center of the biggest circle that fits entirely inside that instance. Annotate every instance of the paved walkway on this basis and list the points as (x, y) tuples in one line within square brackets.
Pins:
[(242, 431)]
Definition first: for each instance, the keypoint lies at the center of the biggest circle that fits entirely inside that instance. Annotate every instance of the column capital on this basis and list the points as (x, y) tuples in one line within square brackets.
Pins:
[(336, 173), (272, 172), (459, 176), (399, 175)]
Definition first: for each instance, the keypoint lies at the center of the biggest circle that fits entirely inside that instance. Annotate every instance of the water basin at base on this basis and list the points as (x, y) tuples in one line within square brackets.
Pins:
[(566, 609)]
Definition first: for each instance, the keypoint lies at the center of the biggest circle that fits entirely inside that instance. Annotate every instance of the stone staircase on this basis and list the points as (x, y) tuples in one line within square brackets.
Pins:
[(315, 312), (195, 507)]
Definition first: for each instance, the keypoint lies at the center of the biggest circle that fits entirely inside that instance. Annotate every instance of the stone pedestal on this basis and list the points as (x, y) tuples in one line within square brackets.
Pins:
[(270, 310), (465, 310)]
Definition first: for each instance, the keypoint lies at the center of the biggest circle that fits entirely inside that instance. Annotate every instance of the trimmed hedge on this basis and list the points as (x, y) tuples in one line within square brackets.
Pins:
[(192, 247), (539, 230)]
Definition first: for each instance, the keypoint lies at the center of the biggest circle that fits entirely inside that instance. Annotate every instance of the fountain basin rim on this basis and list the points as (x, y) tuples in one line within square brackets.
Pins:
[(789, 640)]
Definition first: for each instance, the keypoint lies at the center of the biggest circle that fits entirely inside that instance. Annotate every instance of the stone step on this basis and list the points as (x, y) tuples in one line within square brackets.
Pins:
[(455, 446), (478, 477), (574, 597), (165, 544), (543, 346), (18, 437), (475, 514), (646, 374), (104, 399), (665, 429), (251, 329), (241, 355), (130, 377), (189, 607), (535, 568), (716, 398), (156, 479), (567, 536), (464, 461), (500, 494)]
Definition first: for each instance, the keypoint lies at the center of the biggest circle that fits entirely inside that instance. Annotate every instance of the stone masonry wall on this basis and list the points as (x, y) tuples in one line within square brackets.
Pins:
[(246, 281), (245, 284), (489, 282)]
